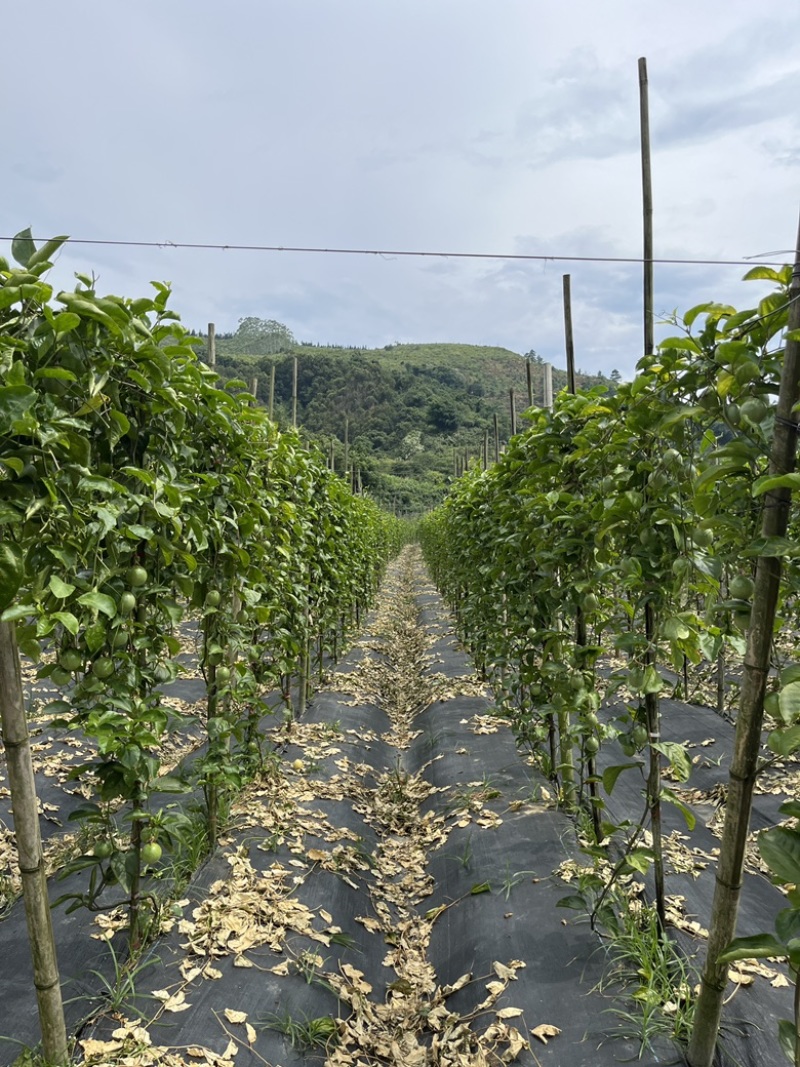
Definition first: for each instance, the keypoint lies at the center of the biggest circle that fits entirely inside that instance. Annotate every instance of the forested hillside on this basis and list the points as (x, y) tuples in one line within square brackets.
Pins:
[(406, 408)]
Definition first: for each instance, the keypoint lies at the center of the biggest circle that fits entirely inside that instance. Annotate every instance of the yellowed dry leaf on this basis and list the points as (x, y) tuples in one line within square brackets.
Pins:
[(234, 1016), (544, 1031), (508, 1013)]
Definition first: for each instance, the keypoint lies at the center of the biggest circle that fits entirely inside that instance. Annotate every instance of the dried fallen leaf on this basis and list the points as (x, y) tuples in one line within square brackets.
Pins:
[(234, 1016), (509, 1013), (544, 1031)]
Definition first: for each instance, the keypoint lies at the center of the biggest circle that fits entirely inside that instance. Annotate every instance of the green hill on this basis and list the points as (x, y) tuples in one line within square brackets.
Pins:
[(408, 408)]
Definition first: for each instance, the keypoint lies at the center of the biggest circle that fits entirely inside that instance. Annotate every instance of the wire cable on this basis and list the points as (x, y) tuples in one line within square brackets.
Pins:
[(398, 253)]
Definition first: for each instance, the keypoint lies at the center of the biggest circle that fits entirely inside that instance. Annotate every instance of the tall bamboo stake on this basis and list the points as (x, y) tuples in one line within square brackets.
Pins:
[(547, 370), (570, 344), (346, 446), (747, 739), (272, 391), (647, 207), (513, 405), (529, 374), (651, 700), (211, 348), (254, 387), (29, 850), (294, 392), (580, 618), (496, 439)]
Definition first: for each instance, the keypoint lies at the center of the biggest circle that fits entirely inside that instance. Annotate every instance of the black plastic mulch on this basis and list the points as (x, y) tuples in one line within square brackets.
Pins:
[(493, 893)]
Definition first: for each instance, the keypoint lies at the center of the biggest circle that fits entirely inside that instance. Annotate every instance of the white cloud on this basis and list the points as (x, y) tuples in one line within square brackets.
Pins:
[(464, 125)]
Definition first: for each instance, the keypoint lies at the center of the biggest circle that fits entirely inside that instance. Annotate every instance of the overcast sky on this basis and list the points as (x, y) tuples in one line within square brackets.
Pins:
[(433, 125)]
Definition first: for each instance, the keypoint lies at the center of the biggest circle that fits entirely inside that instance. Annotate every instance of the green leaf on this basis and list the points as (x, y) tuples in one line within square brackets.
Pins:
[(15, 402), (95, 636), (787, 1037), (640, 859), (57, 373), (684, 344), (99, 602), (785, 742), (690, 315), (766, 274), (780, 850), (66, 321), (574, 902), (18, 611), (789, 703), (758, 946), (775, 481), (60, 588), (46, 252), (68, 621), (610, 774), (678, 758), (56, 707), (652, 681), (12, 570), (480, 887), (787, 924), (167, 784), (688, 815), (22, 247)]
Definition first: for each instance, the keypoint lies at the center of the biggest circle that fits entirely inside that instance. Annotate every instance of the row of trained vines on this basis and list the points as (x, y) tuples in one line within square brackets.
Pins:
[(645, 524), (137, 495)]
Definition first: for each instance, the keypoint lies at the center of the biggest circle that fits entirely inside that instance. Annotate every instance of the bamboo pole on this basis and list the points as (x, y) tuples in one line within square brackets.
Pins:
[(496, 439), (548, 385), (651, 700), (271, 391), (346, 447), (747, 739), (254, 388), (294, 392), (647, 208), (580, 617), (211, 348), (513, 405), (29, 849), (569, 342), (529, 374), (485, 449)]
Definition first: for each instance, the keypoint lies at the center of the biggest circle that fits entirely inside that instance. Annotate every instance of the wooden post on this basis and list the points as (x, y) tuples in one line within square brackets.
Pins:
[(570, 346), (294, 392), (346, 446), (513, 404), (254, 388), (29, 851), (496, 439), (485, 449), (272, 391), (529, 372), (547, 370), (211, 348)]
